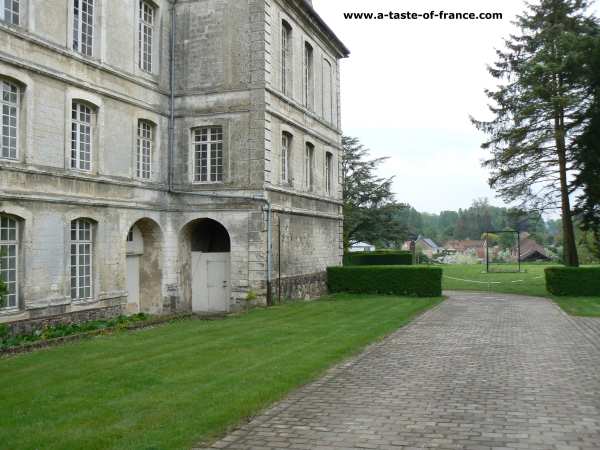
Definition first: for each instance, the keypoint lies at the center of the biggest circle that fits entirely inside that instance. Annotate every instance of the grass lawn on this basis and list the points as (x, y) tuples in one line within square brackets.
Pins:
[(531, 282), (172, 386)]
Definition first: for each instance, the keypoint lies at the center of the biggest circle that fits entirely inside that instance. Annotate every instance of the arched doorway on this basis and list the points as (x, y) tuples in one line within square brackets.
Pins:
[(207, 246), (144, 271)]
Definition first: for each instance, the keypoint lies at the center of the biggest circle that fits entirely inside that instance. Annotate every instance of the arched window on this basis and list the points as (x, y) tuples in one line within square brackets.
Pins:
[(82, 251), (9, 124), (208, 154), (309, 153), (81, 136), (328, 172), (286, 57), (9, 260), (83, 26), (145, 147), (146, 35), (286, 147), (308, 76), (9, 11)]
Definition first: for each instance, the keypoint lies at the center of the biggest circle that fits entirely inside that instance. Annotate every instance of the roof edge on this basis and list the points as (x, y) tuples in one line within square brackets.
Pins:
[(307, 7)]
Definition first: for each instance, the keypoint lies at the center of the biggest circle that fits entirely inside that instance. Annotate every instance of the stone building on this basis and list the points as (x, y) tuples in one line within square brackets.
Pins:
[(163, 155)]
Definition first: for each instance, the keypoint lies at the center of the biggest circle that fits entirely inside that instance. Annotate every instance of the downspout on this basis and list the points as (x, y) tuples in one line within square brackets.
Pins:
[(171, 158)]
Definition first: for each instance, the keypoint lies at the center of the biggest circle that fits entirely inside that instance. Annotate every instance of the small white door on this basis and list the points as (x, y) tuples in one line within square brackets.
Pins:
[(210, 282), (133, 284)]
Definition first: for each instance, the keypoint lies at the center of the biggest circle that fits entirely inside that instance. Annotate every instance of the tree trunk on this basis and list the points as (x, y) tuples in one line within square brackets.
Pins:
[(569, 246)]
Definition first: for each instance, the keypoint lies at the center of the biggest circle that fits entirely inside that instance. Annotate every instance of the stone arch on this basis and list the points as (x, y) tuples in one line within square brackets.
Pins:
[(144, 251), (203, 241)]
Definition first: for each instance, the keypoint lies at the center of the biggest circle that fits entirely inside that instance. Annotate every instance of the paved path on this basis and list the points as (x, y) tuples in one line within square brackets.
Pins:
[(478, 372)]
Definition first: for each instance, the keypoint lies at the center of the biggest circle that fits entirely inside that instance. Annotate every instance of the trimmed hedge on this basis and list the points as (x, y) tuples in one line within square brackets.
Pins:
[(398, 280), (573, 281), (378, 259)]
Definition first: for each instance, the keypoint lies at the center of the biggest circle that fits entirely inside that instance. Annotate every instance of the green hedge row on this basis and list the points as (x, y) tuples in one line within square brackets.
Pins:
[(573, 281), (398, 280), (378, 259)]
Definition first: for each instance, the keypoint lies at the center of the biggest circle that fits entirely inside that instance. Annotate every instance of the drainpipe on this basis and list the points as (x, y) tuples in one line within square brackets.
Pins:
[(171, 158)]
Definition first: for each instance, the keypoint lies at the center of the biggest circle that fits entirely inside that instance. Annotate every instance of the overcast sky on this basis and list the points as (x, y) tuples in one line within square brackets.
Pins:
[(409, 87)]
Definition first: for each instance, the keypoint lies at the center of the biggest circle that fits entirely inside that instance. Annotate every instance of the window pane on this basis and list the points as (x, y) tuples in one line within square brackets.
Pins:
[(81, 259), (208, 154), (9, 260), (9, 102)]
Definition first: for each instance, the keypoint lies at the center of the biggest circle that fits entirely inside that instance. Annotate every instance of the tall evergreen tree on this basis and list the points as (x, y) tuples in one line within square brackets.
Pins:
[(369, 207), (538, 110), (587, 157)]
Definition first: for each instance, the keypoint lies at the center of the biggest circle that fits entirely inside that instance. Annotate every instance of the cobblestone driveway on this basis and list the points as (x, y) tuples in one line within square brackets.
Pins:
[(478, 372)]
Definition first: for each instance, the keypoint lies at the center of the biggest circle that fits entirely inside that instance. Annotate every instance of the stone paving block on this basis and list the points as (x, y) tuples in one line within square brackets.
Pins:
[(508, 373)]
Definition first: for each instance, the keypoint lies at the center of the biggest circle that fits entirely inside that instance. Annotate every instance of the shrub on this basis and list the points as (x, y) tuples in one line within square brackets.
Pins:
[(398, 280), (378, 259), (573, 281)]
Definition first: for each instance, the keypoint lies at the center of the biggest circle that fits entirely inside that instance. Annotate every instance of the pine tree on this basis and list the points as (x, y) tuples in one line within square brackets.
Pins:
[(539, 110), (587, 157), (369, 207)]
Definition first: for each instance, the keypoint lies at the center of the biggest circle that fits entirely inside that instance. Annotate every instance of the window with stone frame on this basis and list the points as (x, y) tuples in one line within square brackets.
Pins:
[(309, 76), (81, 136), (82, 251), (286, 57), (286, 148), (145, 148), (83, 26), (328, 91), (9, 260), (208, 154), (146, 35), (328, 172), (309, 153), (9, 11), (9, 102)]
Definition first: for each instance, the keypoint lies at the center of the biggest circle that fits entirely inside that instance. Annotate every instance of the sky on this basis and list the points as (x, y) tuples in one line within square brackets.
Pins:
[(409, 88)]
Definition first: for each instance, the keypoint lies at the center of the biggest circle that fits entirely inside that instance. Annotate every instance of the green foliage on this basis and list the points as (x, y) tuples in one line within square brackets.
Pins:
[(382, 258), (398, 280), (573, 281), (472, 222), (587, 158), (62, 330), (369, 205)]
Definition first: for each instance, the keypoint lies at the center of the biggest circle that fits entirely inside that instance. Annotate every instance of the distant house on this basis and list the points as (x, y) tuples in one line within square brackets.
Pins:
[(474, 247), (531, 250), (427, 246), (361, 247)]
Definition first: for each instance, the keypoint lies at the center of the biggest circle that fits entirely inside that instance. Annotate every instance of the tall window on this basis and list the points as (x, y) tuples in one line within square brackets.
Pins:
[(286, 57), (208, 154), (9, 101), (308, 76), (146, 34), (9, 263), (9, 11), (83, 26), (145, 143), (286, 143), (81, 137), (328, 172), (327, 91), (308, 165), (81, 259)]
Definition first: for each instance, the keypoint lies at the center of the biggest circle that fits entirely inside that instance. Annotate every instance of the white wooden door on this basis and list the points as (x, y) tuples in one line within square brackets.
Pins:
[(133, 284), (210, 282)]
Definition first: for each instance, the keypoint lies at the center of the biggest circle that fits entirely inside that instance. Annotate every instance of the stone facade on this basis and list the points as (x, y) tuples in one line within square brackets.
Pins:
[(168, 145)]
